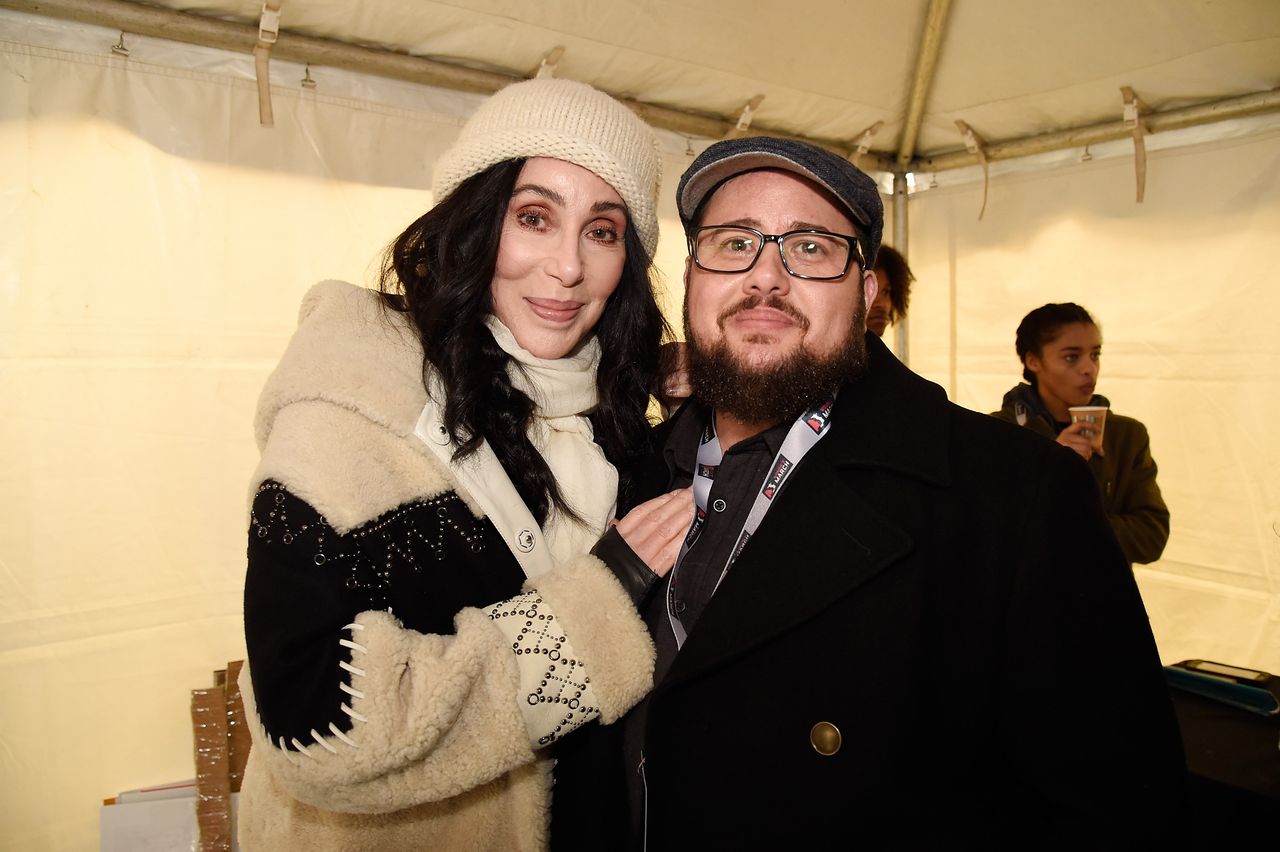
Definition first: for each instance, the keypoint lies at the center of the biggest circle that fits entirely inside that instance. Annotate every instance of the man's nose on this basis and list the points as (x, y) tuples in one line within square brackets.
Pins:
[(769, 275)]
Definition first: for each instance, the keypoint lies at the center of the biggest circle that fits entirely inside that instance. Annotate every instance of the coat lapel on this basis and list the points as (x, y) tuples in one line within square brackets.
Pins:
[(805, 555), (822, 540)]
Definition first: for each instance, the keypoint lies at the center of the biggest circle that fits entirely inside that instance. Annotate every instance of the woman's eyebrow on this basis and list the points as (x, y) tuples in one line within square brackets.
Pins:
[(549, 194), (607, 206)]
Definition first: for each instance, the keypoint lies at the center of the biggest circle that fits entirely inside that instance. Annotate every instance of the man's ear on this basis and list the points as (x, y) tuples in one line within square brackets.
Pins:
[(870, 286), (688, 264)]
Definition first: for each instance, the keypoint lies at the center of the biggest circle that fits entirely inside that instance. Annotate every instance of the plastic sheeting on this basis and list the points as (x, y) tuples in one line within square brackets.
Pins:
[(154, 245)]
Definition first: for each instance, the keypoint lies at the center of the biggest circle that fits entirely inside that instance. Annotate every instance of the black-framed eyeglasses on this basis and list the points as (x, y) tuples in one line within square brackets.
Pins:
[(812, 254)]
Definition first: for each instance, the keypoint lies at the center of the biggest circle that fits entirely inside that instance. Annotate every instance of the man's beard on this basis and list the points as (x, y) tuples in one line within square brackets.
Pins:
[(778, 391)]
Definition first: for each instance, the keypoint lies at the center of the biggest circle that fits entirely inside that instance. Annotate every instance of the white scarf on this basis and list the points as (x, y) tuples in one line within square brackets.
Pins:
[(564, 391)]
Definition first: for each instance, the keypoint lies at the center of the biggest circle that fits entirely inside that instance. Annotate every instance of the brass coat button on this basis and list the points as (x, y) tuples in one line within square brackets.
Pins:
[(825, 738)]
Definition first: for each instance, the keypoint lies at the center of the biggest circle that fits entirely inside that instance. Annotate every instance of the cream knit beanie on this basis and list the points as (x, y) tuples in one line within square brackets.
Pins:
[(565, 120)]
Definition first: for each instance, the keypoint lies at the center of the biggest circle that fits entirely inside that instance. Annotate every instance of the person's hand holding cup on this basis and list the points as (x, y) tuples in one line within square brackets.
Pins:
[(1092, 419)]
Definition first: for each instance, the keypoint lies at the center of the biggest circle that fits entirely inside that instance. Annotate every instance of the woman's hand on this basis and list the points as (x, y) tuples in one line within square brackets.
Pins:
[(654, 530), (1079, 437)]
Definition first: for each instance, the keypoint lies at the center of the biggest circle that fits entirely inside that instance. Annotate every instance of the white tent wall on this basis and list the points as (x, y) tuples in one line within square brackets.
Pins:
[(1185, 288), (155, 243)]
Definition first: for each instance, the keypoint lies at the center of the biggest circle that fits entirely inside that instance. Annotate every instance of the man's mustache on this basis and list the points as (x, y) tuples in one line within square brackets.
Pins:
[(756, 301)]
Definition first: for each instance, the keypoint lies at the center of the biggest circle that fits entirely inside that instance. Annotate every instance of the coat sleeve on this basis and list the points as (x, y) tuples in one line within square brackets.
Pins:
[(1139, 516), (1086, 721), (353, 711)]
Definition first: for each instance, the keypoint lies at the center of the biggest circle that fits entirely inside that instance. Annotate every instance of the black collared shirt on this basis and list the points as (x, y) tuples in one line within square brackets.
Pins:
[(738, 479), (741, 473)]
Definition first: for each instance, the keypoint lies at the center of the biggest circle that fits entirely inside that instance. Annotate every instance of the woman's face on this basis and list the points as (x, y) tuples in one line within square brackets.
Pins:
[(1066, 368), (560, 256)]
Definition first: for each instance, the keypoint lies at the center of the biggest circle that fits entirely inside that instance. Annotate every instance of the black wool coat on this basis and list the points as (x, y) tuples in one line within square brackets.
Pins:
[(943, 590)]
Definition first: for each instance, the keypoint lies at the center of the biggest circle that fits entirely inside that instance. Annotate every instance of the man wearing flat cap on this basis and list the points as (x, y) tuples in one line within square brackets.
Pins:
[(895, 623)]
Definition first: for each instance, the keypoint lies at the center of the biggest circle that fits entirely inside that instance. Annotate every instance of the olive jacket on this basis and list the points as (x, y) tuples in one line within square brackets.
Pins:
[(1125, 472)]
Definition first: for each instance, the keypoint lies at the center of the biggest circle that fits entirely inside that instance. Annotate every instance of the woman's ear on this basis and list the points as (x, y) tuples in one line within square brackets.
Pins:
[(1033, 363)]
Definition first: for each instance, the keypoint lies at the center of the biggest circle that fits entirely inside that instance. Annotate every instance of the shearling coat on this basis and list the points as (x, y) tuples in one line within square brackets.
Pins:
[(404, 677), (942, 590), (1125, 472)]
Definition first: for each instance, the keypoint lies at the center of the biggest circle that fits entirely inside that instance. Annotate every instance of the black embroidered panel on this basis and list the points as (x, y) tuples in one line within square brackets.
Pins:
[(422, 562)]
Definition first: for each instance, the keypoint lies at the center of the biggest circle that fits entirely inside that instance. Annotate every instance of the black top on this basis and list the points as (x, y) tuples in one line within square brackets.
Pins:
[(743, 468)]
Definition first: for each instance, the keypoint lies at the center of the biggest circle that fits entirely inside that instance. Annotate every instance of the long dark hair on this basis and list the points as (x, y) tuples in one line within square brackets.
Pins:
[(440, 271), (1041, 327)]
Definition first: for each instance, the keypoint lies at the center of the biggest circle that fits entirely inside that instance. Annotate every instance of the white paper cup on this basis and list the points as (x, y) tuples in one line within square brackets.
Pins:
[(1095, 416)]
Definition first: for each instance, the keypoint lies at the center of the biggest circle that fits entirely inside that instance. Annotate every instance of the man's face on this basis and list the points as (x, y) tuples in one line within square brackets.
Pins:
[(765, 315)]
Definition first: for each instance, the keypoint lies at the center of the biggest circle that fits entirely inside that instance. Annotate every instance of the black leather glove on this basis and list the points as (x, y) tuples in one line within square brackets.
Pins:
[(636, 577)]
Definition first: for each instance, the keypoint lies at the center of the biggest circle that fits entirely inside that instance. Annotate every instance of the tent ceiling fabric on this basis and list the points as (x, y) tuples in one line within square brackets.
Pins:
[(832, 68)]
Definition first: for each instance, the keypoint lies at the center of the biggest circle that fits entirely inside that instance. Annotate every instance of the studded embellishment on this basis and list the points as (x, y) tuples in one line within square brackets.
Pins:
[(371, 555), (394, 552), (553, 680)]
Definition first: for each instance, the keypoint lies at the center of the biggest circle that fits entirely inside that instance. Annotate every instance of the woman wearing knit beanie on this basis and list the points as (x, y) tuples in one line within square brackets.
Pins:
[(435, 595)]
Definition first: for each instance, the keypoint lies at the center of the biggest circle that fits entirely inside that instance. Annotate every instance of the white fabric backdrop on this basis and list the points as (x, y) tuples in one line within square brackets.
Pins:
[(154, 244), (1185, 289)]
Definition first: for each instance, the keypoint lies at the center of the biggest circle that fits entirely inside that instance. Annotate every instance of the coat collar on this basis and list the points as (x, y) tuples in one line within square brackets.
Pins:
[(892, 419), (889, 418)]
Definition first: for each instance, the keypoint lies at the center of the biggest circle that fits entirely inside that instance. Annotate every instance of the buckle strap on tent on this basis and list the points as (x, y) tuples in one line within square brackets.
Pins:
[(1133, 111), (268, 35), (862, 144), (744, 120), (547, 68), (975, 144)]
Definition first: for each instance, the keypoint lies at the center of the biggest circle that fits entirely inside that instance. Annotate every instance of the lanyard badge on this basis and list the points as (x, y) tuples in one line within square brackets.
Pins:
[(803, 435)]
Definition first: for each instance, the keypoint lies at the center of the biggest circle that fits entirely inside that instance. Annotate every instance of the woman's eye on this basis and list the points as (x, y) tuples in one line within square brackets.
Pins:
[(531, 218), (604, 234)]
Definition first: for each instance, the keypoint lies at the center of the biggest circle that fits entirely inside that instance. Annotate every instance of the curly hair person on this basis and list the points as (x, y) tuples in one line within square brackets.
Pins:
[(899, 280), (440, 272)]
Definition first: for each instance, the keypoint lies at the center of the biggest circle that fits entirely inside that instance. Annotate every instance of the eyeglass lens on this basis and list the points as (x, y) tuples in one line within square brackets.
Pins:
[(735, 249)]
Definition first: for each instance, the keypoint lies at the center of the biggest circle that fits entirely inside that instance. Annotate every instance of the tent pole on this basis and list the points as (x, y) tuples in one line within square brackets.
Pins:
[(228, 35), (900, 241), (1078, 137), (240, 38), (930, 42)]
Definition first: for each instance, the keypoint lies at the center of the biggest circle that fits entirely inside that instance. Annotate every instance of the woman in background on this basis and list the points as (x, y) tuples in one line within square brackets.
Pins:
[(423, 618), (1060, 347)]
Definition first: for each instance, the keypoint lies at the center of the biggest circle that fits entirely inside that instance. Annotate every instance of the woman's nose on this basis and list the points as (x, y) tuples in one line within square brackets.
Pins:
[(565, 261)]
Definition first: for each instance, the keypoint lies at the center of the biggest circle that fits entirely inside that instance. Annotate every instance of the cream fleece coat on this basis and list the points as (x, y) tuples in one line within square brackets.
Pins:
[(443, 750)]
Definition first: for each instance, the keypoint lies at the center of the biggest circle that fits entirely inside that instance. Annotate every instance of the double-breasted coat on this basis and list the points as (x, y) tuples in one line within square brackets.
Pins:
[(933, 637)]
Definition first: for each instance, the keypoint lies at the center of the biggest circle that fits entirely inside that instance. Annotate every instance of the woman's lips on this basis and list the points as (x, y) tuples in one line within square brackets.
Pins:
[(554, 310)]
